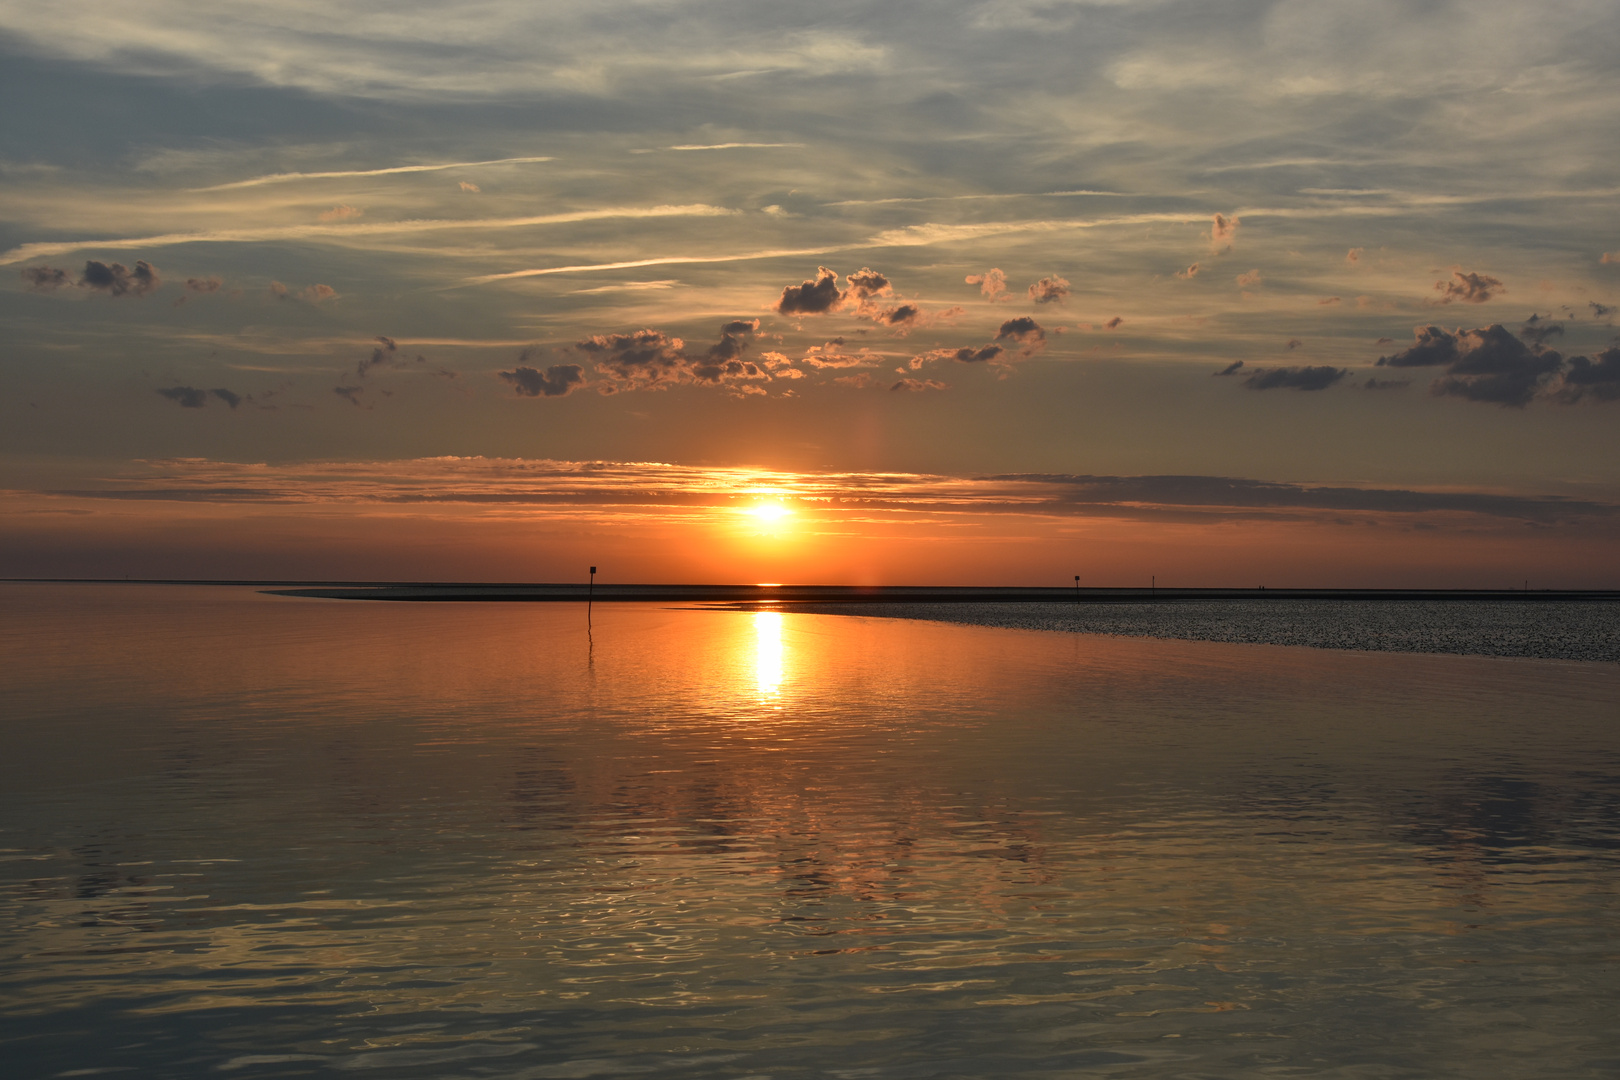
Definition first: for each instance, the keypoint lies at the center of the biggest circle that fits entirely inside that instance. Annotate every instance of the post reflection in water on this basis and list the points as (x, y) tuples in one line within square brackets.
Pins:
[(236, 844)]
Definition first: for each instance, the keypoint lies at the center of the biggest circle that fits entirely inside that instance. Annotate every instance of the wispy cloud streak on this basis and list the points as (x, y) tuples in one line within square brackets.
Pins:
[(334, 231), (284, 178)]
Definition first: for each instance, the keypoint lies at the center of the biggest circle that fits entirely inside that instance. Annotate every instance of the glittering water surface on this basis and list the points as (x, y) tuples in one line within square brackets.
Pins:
[(252, 836)]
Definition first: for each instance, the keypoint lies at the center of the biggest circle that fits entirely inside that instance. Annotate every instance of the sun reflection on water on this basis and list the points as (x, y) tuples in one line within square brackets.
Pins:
[(768, 653)]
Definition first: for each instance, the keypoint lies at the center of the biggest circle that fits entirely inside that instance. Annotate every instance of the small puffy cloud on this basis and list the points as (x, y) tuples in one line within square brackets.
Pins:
[(1600, 311), (1026, 331), (1049, 290), (1467, 288), (310, 294), (1353, 255), (44, 278), (812, 297), (1249, 279), (901, 318), (229, 397), (1374, 383), (341, 212), (1295, 378), (860, 381), (558, 380), (1230, 369), (917, 385), (1190, 272), (117, 280), (1222, 231), (1294, 343), (1610, 257), (351, 394), (1114, 324), (187, 397), (1595, 379), (468, 185), (1326, 300), (992, 283), (201, 286), (866, 283), (984, 354)]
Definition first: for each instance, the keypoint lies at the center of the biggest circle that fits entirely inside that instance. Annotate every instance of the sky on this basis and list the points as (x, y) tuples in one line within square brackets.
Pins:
[(1286, 293)]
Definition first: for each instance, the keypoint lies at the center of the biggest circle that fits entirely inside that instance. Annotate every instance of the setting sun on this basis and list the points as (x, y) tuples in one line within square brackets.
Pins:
[(769, 513)]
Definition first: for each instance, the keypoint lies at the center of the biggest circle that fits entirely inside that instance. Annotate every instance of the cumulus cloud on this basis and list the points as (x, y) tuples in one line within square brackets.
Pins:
[(1222, 231), (1591, 379), (832, 355), (653, 360), (724, 362), (1294, 343), (44, 278), (860, 381), (1326, 300), (902, 317), (816, 296), (1114, 324), (115, 279), (992, 283), (1026, 331), (1600, 311), (1049, 290), (1249, 279), (984, 354), (187, 397), (1610, 257), (1488, 364), (1230, 369), (351, 394), (1353, 255), (468, 185), (200, 286), (558, 380), (917, 385), (1191, 271), (1467, 288), (229, 397), (1374, 383), (1295, 378), (866, 283), (341, 212)]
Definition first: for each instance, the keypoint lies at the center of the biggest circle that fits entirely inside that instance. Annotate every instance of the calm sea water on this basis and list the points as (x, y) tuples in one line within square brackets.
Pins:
[(251, 836)]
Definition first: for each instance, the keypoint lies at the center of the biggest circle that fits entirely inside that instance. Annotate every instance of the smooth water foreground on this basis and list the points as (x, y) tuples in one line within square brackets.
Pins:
[(254, 836)]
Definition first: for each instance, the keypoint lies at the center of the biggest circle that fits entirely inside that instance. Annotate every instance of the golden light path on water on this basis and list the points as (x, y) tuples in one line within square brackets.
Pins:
[(769, 655)]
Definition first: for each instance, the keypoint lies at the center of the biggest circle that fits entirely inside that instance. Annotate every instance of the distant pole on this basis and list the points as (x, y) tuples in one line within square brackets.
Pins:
[(590, 590), (1077, 588), (1153, 585)]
